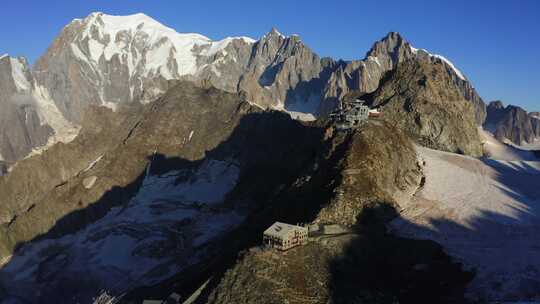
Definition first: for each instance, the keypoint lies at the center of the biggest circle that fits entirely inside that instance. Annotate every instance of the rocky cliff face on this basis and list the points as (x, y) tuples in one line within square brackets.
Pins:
[(422, 100), (535, 122), (285, 73), (512, 123), (21, 125), (364, 76), (389, 156)]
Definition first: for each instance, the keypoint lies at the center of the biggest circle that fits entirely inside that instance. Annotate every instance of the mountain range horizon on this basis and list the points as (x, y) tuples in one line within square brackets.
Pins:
[(139, 163), (461, 57)]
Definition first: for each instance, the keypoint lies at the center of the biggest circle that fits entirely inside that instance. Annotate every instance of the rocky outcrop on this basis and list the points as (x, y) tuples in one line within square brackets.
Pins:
[(284, 73), (22, 126), (421, 99), (512, 123), (3, 168), (380, 165), (495, 113), (535, 122), (365, 75)]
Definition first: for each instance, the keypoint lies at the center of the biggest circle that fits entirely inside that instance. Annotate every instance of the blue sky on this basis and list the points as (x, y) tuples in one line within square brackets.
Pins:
[(496, 43)]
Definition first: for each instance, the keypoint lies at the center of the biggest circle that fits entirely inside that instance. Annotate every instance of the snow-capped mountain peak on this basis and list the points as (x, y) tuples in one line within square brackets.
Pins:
[(129, 58), (141, 40)]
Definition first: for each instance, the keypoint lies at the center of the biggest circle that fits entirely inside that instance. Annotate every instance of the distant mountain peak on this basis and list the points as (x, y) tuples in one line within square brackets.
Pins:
[(394, 36), (274, 31), (496, 104)]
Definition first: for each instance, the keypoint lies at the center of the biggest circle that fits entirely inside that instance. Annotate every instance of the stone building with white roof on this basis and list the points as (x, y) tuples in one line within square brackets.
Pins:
[(284, 236)]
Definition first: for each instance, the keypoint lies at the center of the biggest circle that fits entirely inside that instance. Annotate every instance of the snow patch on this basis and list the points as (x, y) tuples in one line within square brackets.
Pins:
[(218, 46), (374, 59), (136, 244), (96, 49), (485, 213), (111, 105), (93, 164), (77, 52), (18, 68), (49, 113), (209, 184), (501, 151), (304, 110)]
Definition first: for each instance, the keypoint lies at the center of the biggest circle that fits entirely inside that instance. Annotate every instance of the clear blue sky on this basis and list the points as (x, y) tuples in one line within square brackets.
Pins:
[(496, 43)]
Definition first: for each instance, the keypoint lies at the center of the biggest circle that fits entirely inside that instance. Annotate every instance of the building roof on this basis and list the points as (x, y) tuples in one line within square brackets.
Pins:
[(280, 230)]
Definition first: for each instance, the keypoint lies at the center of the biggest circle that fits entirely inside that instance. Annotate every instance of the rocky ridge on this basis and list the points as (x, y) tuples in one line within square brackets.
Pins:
[(116, 61), (512, 123), (421, 99)]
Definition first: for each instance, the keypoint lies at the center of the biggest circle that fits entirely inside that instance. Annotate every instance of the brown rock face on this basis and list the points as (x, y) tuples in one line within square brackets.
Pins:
[(422, 100), (380, 165), (37, 183)]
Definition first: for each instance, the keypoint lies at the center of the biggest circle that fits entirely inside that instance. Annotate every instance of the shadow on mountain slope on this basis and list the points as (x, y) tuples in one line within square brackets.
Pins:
[(378, 267), (361, 264), (501, 249), (307, 96), (519, 180), (288, 171), (367, 264), (488, 219), (269, 148)]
